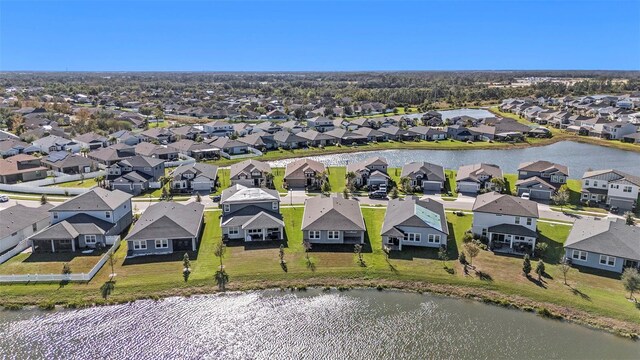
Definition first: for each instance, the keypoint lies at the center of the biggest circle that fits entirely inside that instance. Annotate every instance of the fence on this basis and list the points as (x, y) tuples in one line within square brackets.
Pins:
[(61, 178), (187, 161), (22, 245), (42, 190), (65, 277), (253, 152)]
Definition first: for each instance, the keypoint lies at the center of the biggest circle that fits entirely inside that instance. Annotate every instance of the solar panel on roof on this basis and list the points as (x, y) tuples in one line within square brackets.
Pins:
[(429, 217)]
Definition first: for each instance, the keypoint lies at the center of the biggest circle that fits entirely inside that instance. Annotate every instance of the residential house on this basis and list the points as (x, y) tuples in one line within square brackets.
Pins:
[(125, 137), (332, 220), (68, 163), (250, 173), (289, 140), (473, 178), (196, 150), (613, 187), (262, 141), (10, 147), (346, 137), (189, 132), (112, 154), (320, 124), (414, 222), (371, 172), (165, 228), (398, 134), (218, 128), (304, 173), (53, 143), (460, 133), (632, 138), (151, 150), (603, 244), (293, 126), (91, 141), (508, 222), (136, 174), (18, 222), (268, 127), (540, 179), (315, 138), (21, 168), (91, 220), (276, 115), (230, 147), (613, 130), (426, 176), (428, 133), (251, 214), (158, 135), (371, 134), (197, 177)]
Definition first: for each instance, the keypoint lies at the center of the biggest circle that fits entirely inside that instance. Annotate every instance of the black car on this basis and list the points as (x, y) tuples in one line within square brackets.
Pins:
[(377, 195), (215, 198)]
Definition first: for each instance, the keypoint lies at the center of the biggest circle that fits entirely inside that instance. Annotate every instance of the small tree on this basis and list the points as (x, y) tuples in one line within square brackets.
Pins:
[(281, 254), (307, 247), (499, 184), (186, 267), (113, 259), (472, 251), (394, 193), (564, 269), (540, 269), (345, 193), (561, 197), (43, 199), (219, 251), (198, 197), (221, 276), (326, 187), (629, 219), (631, 281), (462, 258), (81, 178), (526, 265), (357, 248), (405, 184), (443, 255), (66, 268)]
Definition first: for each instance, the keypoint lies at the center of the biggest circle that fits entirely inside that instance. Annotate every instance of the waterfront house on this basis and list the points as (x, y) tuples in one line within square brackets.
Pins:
[(165, 228), (315, 138), (68, 163), (604, 244), (346, 137), (320, 124), (197, 177), (251, 214), (540, 179), (21, 168), (632, 138), (332, 220), (370, 172), (472, 178), (371, 134), (429, 133), (508, 222), (304, 173), (398, 134), (196, 150), (91, 220), (136, 174), (262, 141), (460, 133), (414, 222), (613, 187), (230, 147), (18, 222), (425, 176), (289, 140), (250, 173)]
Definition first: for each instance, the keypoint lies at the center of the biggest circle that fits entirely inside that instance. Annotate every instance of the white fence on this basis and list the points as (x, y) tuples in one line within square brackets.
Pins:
[(186, 161), (253, 152), (22, 245), (61, 178), (65, 277), (42, 190)]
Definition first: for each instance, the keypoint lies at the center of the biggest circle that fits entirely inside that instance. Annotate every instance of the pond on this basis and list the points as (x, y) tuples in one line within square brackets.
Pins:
[(357, 324), (578, 157), (474, 113)]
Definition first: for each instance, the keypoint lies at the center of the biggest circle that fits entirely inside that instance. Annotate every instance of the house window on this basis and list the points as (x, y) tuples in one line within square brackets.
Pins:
[(162, 244), (34, 227), (254, 231), (274, 205), (55, 215), (517, 219), (529, 221), (314, 234), (14, 234), (140, 245), (412, 237), (518, 238), (626, 189), (586, 182), (334, 235), (234, 230), (607, 260), (107, 214), (433, 238), (484, 232), (227, 207), (90, 239), (579, 255)]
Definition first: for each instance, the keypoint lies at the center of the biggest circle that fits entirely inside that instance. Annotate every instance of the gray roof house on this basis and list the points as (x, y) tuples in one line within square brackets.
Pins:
[(18, 222), (315, 138), (604, 244), (196, 150), (197, 177), (251, 214), (427, 176), (156, 151), (332, 220), (289, 140), (613, 187), (250, 173), (112, 154), (540, 179), (90, 220), (508, 222), (166, 227), (414, 222), (303, 173), (136, 174), (370, 172), (68, 163), (91, 140), (472, 178)]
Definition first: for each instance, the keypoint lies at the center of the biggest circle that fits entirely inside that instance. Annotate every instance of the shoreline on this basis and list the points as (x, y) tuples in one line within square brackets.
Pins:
[(547, 310)]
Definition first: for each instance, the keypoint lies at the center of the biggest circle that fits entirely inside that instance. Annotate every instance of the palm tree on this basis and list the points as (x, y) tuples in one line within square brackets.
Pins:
[(499, 184), (405, 184), (100, 179), (350, 176), (268, 179)]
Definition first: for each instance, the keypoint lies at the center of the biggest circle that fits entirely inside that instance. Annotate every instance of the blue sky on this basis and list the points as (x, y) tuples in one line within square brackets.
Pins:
[(318, 35)]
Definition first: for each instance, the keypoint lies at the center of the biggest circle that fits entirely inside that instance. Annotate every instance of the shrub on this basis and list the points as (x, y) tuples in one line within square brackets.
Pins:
[(468, 237), (462, 258), (540, 249)]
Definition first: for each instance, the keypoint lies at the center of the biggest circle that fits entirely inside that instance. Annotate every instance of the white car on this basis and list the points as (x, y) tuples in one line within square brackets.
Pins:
[(4, 198), (525, 196)]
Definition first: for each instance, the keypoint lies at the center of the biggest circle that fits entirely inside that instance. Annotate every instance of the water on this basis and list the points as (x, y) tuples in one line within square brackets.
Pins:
[(578, 157), (474, 113), (359, 324)]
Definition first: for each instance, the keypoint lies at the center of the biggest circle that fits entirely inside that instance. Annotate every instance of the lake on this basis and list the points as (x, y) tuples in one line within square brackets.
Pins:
[(474, 113), (578, 157), (357, 324)]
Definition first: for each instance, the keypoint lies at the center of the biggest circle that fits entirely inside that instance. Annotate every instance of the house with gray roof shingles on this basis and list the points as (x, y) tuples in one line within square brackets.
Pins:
[(370, 172), (89, 220), (304, 173), (250, 173), (251, 214), (136, 174), (414, 222), (332, 220), (197, 177), (540, 179), (604, 244), (18, 222), (472, 178), (68, 163), (508, 222), (166, 227), (613, 187), (424, 175)]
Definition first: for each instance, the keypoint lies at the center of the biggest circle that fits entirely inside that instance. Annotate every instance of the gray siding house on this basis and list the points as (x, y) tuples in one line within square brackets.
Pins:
[(426, 176), (18, 222), (332, 220), (604, 244), (251, 214), (198, 177), (304, 173), (250, 173), (370, 172), (540, 179), (472, 178), (136, 174), (166, 227), (414, 222)]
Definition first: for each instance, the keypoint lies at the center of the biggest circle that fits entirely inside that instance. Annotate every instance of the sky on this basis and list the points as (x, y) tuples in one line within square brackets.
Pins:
[(308, 35)]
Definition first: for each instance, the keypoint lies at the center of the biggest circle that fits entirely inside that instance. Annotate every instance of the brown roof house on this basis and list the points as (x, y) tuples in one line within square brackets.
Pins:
[(20, 168), (305, 173), (332, 220)]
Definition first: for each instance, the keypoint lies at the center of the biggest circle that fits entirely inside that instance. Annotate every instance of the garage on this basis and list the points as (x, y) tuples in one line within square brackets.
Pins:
[(468, 187), (622, 204)]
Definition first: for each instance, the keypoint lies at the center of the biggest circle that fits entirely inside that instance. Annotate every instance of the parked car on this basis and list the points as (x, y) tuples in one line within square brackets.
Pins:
[(525, 196), (378, 194), (4, 198), (215, 198), (614, 210)]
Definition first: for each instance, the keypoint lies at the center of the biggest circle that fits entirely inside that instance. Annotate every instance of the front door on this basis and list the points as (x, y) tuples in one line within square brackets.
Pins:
[(256, 182)]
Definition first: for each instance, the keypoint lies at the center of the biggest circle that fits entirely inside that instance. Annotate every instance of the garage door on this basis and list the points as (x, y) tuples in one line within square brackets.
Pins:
[(540, 194)]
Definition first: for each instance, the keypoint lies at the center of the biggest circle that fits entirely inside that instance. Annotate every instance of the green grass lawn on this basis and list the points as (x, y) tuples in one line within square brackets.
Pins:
[(450, 183), (337, 178), (224, 179), (87, 183), (30, 263), (278, 179)]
